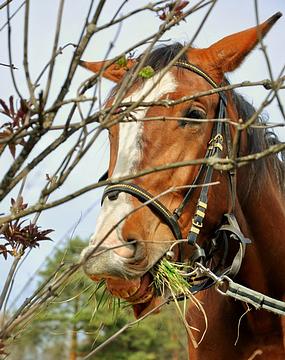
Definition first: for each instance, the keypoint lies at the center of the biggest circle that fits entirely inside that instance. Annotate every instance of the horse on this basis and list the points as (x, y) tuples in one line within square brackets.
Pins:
[(140, 219)]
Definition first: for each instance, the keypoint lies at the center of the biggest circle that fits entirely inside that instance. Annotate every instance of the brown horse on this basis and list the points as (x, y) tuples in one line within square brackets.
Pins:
[(137, 240)]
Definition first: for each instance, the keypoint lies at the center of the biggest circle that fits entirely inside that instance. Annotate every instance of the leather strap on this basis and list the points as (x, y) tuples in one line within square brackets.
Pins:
[(113, 191)]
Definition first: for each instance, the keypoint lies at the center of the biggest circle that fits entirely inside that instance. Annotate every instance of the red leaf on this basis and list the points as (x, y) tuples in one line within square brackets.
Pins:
[(181, 5), (5, 107), (12, 149), (4, 251), (11, 101)]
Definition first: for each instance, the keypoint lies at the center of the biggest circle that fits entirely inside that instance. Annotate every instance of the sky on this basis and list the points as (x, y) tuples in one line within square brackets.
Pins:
[(79, 216)]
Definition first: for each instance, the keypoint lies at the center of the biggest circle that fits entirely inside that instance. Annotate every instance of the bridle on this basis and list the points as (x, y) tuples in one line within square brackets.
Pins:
[(230, 228)]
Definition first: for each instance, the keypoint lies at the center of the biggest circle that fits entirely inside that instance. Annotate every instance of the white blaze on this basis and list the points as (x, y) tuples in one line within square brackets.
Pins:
[(128, 158)]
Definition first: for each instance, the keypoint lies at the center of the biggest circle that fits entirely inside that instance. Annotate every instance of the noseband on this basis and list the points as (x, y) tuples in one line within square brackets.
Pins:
[(214, 150)]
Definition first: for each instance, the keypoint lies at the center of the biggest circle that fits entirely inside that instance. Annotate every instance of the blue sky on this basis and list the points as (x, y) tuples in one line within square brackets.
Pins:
[(228, 16)]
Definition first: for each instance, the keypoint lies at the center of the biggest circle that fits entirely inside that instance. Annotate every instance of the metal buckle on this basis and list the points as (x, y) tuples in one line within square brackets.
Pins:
[(196, 223), (216, 142), (219, 137)]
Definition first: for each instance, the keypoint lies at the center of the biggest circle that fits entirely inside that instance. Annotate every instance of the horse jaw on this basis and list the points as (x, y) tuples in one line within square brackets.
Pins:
[(139, 292)]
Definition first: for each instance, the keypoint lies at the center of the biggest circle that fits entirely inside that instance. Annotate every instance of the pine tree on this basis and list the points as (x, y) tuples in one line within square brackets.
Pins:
[(83, 316)]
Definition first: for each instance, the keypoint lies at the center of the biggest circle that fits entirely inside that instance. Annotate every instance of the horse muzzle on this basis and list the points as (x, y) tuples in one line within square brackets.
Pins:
[(102, 262), (121, 276)]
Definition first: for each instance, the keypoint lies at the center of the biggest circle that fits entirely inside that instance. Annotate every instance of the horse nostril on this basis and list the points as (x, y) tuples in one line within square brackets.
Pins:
[(128, 249), (131, 241), (139, 250)]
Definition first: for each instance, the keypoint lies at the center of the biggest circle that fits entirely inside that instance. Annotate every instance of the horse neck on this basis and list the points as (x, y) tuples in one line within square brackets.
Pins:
[(263, 211)]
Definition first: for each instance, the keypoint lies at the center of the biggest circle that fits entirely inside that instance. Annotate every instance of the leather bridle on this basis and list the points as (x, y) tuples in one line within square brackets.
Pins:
[(229, 227)]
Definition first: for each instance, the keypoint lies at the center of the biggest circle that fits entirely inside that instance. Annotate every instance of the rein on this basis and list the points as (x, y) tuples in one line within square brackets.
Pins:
[(228, 230)]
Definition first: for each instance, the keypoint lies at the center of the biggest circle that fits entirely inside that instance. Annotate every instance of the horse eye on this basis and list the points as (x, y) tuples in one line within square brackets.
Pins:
[(196, 114), (192, 114)]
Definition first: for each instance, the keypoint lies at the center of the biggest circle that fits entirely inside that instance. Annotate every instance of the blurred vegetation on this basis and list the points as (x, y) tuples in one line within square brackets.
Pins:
[(84, 315)]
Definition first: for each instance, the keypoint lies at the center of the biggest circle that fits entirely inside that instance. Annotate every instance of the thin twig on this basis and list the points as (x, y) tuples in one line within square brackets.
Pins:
[(5, 4), (9, 65), (26, 49), (54, 52)]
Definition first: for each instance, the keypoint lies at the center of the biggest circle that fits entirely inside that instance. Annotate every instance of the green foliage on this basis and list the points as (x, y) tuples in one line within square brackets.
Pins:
[(170, 275), (122, 61), (146, 72), (89, 313)]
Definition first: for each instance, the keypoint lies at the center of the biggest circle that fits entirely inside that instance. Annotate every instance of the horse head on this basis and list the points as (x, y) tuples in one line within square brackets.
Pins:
[(139, 221)]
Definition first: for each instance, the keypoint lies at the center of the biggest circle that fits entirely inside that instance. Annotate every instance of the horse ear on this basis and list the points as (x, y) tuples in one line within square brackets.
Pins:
[(229, 52), (114, 72)]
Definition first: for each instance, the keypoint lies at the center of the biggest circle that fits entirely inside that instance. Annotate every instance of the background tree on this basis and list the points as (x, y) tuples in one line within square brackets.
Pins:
[(82, 316)]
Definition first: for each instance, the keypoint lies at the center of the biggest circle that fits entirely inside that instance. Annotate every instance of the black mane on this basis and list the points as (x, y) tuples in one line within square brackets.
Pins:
[(260, 139), (161, 56)]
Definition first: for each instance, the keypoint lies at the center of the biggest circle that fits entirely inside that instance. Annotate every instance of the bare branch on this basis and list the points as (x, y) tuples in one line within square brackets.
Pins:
[(5, 4)]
